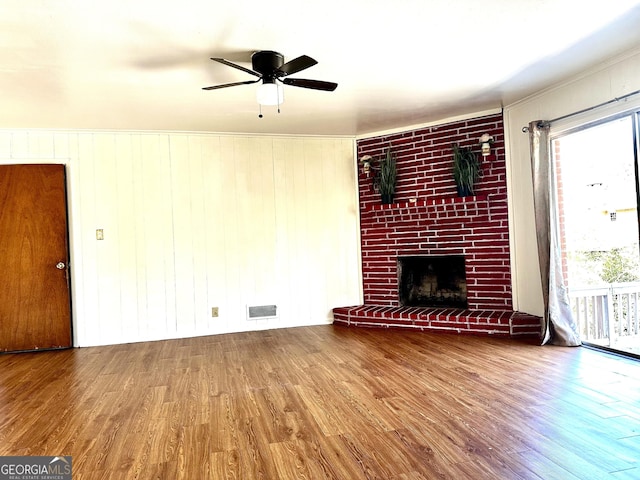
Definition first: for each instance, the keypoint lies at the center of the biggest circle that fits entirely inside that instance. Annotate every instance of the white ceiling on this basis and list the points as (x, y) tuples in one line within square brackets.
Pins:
[(141, 65)]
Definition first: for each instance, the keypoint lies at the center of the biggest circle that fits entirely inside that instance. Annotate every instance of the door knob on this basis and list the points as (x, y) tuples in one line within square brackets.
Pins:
[(60, 265)]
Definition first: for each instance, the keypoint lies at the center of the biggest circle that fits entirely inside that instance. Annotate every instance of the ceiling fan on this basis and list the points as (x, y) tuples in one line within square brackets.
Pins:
[(270, 68)]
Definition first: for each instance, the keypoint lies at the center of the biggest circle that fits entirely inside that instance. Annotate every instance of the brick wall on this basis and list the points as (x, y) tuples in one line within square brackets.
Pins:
[(430, 219)]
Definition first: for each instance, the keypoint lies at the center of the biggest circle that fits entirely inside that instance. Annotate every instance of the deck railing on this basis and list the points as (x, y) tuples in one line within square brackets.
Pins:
[(607, 314)]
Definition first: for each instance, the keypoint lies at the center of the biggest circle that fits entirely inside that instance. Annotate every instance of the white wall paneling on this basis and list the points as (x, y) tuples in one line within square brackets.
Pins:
[(195, 221)]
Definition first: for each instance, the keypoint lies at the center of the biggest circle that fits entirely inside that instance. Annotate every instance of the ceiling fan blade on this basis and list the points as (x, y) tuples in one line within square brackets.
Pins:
[(239, 67), (313, 84), (296, 65), (225, 85)]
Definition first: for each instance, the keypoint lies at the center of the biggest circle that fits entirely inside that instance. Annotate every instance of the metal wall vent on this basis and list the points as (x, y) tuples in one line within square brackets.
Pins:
[(262, 311)]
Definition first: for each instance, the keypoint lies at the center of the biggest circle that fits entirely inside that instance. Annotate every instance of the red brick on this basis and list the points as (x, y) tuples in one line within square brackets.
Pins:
[(439, 222)]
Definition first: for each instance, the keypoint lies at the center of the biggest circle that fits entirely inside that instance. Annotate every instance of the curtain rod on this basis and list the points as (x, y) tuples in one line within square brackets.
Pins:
[(543, 123)]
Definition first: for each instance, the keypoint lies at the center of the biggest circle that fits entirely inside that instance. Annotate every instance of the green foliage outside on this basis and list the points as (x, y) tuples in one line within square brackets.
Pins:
[(618, 265)]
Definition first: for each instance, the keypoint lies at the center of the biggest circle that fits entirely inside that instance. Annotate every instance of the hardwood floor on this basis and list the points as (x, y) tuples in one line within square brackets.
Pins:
[(326, 402)]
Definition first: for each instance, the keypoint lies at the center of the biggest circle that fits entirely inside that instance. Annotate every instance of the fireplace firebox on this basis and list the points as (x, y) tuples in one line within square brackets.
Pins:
[(432, 281)]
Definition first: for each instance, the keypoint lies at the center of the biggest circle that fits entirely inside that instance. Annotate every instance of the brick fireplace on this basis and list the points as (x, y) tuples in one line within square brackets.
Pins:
[(429, 219)]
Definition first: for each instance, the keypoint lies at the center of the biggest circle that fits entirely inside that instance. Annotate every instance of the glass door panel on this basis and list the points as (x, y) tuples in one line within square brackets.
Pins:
[(598, 220)]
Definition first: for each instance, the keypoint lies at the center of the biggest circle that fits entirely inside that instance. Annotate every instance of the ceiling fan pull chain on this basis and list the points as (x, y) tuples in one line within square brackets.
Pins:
[(278, 87)]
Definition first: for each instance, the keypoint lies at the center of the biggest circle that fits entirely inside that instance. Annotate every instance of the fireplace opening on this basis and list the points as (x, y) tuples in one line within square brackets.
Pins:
[(432, 281)]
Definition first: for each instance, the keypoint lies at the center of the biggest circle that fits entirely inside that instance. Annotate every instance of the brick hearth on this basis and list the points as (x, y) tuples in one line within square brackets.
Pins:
[(480, 322), (430, 219)]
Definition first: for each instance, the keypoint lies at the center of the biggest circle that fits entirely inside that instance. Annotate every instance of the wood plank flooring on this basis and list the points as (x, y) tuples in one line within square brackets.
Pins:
[(326, 402)]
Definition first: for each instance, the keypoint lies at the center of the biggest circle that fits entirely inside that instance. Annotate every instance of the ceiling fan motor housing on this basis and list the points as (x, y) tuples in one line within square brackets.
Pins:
[(267, 62)]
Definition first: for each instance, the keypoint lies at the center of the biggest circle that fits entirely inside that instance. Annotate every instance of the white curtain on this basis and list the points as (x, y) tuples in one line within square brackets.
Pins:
[(558, 326)]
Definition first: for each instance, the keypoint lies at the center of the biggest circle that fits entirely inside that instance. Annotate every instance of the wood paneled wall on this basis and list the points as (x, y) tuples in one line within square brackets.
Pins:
[(195, 221)]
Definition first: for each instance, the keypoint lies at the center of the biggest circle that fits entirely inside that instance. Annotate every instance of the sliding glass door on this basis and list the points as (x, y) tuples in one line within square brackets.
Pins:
[(596, 170)]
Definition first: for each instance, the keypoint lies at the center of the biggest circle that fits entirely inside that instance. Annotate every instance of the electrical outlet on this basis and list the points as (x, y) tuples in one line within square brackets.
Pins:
[(214, 311)]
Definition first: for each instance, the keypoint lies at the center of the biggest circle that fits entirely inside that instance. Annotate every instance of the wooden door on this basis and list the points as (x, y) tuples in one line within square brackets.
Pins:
[(35, 302)]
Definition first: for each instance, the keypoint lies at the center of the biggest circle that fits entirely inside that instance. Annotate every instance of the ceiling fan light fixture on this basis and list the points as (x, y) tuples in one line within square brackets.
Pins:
[(270, 93)]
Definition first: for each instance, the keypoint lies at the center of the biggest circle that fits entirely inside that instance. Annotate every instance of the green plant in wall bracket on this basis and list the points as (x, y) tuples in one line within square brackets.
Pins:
[(386, 176), (466, 170)]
